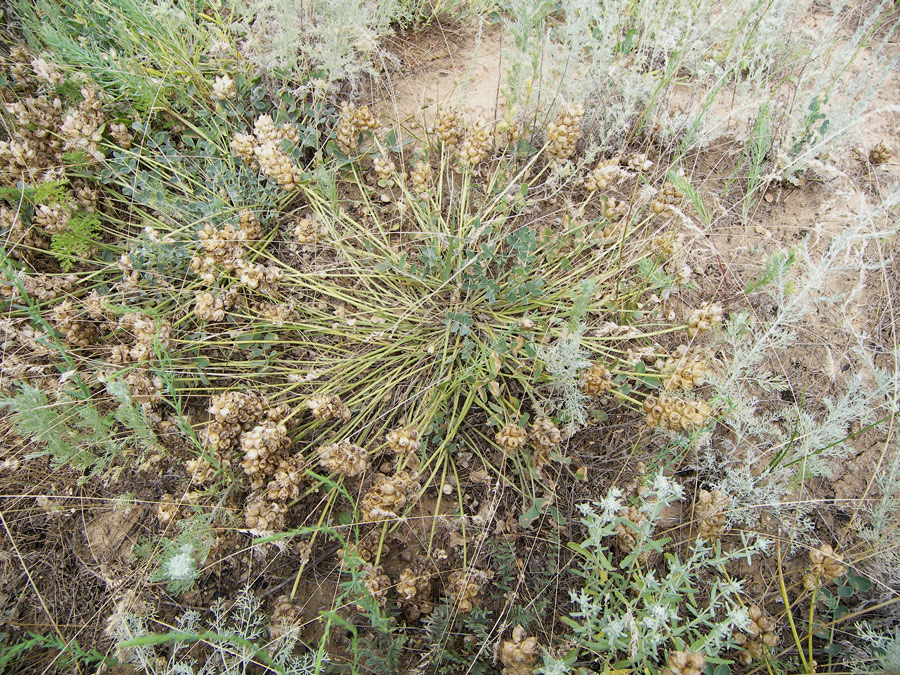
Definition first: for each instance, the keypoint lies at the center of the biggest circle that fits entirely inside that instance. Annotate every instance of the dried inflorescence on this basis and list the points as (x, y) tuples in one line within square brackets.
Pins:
[(168, 508), (414, 589), (543, 435), (385, 169), (202, 471), (710, 513), (762, 636), (219, 437), (237, 407), (676, 414), (465, 587), (403, 441), (285, 483), (263, 515), (563, 132), (597, 380), (285, 617), (353, 121), (668, 196), (82, 127), (328, 407), (639, 162), (145, 331), (627, 535), (519, 654), (307, 230), (389, 496), (37, 145), (614, 210), (209, 307), (683, 370), (447, 127), (344, 458), (704, 319), (603, 175), (684, 663), (420, 179), (223, 88), (121, 135), (219, 249), (825, 565), (511, 437), (880, 154), (376, 582), (262, 150), (477, 144), (264, 447), (17, 236), (75, 331), (52, 218)]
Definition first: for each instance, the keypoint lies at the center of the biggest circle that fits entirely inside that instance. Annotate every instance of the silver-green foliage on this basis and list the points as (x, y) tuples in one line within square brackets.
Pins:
[(625, 612)]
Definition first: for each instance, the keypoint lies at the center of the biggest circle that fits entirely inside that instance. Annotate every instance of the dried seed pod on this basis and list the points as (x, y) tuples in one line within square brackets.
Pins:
[(389, 496), (597, 380), (384, 167), (639, 162), (676, 414), (223, 88), (544, 435), (825, 565), (119, 132), (202, 471), (285, 617), (880, 154), (263, 448), (327, 407), (511, 437), (762, 636), (710, 513), (237, 407), (343, 458), (262, 515), (403, 441), (684, 371), (420, 179), (352, 122), (705, 318), (476, 146), (668, 196), (209, 307), (625, 535), (219, 437), (684, 663), (447, 128), (376, 581), (603, 175), (285, 483), (519, 654), (563, 132), (464, 588)]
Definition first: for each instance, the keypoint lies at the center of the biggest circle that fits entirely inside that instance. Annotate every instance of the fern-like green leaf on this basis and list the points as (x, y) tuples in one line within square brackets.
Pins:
[(76, 239)]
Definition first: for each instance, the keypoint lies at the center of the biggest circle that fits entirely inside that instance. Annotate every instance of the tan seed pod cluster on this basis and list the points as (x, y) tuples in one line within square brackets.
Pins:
[(44, 287), (202, 471), (209, 307), (219, 437), (353, 121), (683, 370), (710, 513), (563, 132), (285, 617), (403, 441), (223, 88), (684, 663), (824, 566), (263, 447), (705, 318), (121, 135), (389, 496), (37, 144), (219, 249), (169, 508), (447, 127), (762, 637), (477, 144), (285, 483), (420, 179), (880, 154), (344, 458), (639, 162), (17, 236), (75, 331), (510, 438), (82, 126), (597, 380), (51, 218), (376, 581), (614, 210), (244, 408), (626, 535), (145, 331), (603, 175), (465, 588), (414, 589), (507, 133), (328, 407), (385, 169), (668, 196), (306, 231), (250, 230), (676, 414), (544, 435), (519, 654), (46, 71), (262, 150), (262, 515)]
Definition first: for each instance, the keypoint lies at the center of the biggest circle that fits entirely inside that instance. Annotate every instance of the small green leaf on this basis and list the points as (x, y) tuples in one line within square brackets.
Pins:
[(845, 591), (860, 583)]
